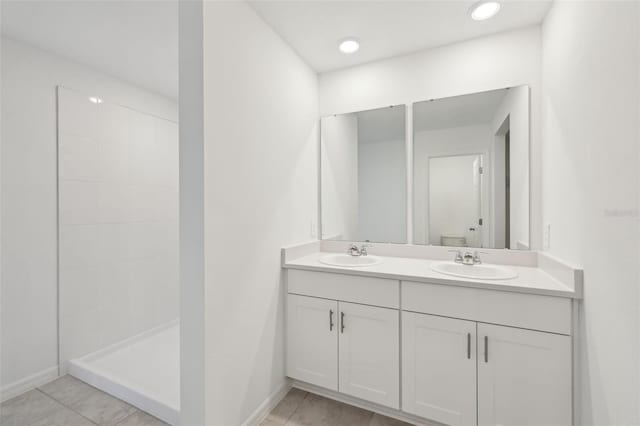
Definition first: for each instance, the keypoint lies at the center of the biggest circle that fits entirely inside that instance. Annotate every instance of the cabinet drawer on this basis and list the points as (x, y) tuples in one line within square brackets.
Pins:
[(349, 288), (545, 313)]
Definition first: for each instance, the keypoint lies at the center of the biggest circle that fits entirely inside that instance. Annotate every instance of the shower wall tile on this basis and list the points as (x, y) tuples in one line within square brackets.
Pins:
[(78, 335), (75, 118), (79, 158), (80, 290), (78, 202), (118, 213), (79, 247), (114, 161)]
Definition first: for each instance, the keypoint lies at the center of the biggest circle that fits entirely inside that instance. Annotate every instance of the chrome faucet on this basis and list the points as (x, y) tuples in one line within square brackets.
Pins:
[(467, 258), (353, 250)]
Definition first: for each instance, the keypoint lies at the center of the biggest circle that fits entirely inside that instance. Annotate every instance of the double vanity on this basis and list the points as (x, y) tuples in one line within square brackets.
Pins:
[(407, 331), (458, 322)]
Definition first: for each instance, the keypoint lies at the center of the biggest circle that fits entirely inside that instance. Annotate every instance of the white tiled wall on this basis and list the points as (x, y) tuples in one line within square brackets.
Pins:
[(118, 222)]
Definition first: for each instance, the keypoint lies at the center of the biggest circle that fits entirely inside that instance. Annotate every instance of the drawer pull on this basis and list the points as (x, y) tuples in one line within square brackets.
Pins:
[(486, 349)]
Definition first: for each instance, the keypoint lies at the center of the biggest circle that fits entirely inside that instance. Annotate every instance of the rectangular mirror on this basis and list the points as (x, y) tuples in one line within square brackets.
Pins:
[(363, 176), (471, 170)]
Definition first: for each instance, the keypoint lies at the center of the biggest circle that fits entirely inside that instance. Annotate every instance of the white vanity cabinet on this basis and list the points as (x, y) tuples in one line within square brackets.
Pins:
[(369, 355), (439, 368), (524, 377), (336, 339), (459, 371), (457, 355), (312, 340)]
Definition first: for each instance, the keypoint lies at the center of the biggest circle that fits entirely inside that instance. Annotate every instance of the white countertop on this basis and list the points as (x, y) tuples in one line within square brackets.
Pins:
[(531, 280)]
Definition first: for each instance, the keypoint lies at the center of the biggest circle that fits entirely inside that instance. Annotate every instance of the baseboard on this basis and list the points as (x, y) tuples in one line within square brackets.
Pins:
[(268, 404), (385, 411), (28, 383)]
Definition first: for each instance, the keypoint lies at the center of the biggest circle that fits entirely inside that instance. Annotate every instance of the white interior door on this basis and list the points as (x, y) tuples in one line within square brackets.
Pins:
[(524, 377), (312, 345), (455, 198), (370, 353), (439, 368)]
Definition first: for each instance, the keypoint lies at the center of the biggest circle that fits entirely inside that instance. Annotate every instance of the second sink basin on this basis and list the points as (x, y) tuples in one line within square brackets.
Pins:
[(350, 261), (478, 272)]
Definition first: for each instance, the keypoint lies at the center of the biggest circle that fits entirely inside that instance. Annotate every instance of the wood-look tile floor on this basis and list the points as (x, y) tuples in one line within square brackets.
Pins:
[(300, 408), (70, 402)]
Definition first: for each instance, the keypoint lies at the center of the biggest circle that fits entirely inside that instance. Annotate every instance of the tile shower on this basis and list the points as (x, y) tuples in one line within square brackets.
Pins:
[(118, 250)]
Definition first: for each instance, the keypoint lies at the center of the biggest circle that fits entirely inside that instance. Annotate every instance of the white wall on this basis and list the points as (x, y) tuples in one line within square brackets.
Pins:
[(260, 143), (465, 140), (503, 60), (382, 191), (29, 251), (591, 152), (118, 223), (339, 151)]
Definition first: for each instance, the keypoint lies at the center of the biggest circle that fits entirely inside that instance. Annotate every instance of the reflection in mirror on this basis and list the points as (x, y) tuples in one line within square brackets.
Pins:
[(363, 176), (471, 170)]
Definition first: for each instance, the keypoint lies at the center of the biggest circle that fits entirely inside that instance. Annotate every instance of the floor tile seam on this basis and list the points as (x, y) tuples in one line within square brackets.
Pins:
[(306, 395), (127, 416), (65, 406)]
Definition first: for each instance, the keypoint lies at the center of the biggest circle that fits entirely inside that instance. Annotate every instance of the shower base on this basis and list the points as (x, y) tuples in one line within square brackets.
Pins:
[(143, 371)]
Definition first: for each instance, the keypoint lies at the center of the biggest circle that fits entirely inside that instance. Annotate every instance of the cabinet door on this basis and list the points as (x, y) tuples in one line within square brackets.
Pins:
[(439, 368), (524, 377), (312, 340), (369, 353)]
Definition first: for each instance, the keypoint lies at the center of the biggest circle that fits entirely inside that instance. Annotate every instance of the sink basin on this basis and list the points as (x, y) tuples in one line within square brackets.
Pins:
[(476, 272), (350, 261)]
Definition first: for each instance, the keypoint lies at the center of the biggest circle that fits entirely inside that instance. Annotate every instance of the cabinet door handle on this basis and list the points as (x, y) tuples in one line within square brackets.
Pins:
[(486, 349), (341, 322), (330, 320), (468, 345)]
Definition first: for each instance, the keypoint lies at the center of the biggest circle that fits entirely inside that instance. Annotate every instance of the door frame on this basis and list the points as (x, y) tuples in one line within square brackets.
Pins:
[(485, 164)]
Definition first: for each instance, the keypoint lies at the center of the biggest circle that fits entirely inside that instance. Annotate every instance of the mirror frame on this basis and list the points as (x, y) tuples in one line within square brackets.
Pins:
[(409, 153)]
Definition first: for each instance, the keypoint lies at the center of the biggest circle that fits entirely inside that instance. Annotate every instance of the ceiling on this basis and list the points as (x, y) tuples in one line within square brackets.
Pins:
[(136, 41), (457, 111), (385, 28)]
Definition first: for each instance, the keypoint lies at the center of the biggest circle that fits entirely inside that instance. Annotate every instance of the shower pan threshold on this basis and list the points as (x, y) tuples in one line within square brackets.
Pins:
[(143, 371)]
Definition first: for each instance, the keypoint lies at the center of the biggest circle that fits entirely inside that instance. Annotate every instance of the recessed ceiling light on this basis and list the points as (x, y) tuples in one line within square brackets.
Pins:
[(349, 46), (95, 100), (484, 10)]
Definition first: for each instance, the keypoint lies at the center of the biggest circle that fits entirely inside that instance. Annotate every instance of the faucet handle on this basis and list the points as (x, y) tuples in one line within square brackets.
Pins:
[(363, 249), (458, 258), (353, 250), (476, 256)]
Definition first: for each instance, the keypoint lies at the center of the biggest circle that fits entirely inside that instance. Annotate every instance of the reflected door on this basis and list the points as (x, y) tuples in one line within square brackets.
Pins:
[(455, 200)]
